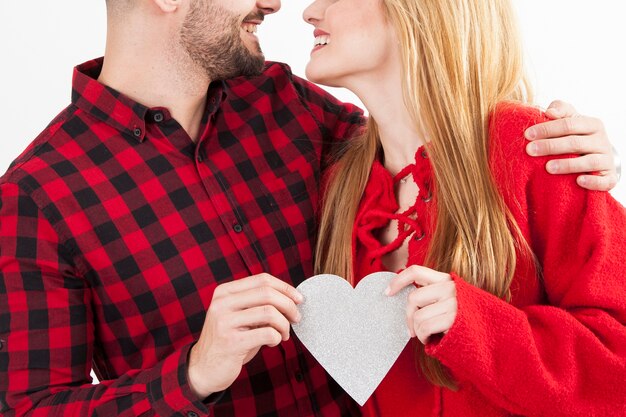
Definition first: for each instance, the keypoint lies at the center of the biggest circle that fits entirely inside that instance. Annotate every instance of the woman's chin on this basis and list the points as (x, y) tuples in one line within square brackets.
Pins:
[(312, 74), (320, 77)]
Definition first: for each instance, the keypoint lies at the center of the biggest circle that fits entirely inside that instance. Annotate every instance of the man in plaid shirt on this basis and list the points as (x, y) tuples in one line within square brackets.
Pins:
[(155, 231)]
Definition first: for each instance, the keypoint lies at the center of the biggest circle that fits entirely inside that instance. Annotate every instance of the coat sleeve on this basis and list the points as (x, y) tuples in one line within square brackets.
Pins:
[(565, 356)]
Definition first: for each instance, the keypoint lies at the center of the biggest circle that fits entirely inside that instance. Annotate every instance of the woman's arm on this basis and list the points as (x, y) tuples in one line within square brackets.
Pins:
[(561, 350)]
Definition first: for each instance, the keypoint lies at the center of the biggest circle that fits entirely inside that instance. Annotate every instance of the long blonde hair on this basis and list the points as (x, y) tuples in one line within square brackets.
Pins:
[(460, 58)]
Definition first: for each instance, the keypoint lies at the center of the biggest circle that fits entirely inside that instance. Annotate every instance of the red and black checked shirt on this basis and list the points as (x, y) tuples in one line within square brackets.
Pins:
[(115, 228)]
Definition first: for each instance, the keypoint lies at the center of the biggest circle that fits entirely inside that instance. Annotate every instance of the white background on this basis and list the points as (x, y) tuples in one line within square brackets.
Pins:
[(576, 50)]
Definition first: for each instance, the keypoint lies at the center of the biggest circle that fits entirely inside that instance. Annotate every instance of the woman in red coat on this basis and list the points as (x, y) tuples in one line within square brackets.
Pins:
[(520, 288)]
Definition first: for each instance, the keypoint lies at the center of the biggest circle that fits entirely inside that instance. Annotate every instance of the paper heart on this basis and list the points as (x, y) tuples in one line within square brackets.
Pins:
[(356, 334)]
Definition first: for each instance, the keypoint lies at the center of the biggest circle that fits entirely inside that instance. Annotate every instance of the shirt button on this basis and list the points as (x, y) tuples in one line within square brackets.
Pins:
[(1, 344), (237, 228), (199, 158), (137, 132), (299, 376), (192, 414), (158, 117)]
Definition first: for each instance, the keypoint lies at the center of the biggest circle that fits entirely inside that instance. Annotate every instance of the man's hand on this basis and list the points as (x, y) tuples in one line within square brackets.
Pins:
[(244, 315), (570, 132)]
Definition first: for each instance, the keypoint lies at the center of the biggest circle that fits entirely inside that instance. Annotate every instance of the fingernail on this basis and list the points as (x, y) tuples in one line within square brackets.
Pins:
[(299, 297), (532, 149), (387, 291), (531, 133), (582, 180), (553, 167)]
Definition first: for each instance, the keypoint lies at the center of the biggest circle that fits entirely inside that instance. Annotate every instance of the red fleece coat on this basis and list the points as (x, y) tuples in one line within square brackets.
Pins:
[(559, 347)]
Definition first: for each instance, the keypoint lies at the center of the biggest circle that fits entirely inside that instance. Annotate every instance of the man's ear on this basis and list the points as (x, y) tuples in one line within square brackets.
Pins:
[(168, 6)]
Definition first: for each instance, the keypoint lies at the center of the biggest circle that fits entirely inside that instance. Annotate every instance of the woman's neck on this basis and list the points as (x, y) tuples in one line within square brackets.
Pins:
[(399, 134)]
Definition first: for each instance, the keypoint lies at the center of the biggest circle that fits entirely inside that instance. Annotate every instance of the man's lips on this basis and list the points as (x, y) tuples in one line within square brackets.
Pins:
[(250, 26), (252, 21)]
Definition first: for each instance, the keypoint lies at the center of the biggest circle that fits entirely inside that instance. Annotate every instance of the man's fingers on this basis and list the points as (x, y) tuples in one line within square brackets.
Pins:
[(262, 316), (263, 336), (597, 182), (256, 281), (559, 109), (564, 127), (580, 135), (567, 145), (263, 296), (584, 163)]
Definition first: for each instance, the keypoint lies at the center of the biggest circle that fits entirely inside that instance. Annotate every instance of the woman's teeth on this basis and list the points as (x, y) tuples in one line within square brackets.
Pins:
[(322, 40)]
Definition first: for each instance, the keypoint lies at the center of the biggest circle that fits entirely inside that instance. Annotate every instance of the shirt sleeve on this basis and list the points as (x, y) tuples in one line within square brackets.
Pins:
[(47, 332), (567, 356)]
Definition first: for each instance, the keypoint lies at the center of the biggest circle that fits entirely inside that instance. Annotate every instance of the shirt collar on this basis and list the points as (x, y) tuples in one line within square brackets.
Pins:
[(118, 110)]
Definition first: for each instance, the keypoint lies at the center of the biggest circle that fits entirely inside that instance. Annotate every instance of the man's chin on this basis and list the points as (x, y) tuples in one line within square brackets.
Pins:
[(253, 48), (256, 69), (248, 65), (254, 63)]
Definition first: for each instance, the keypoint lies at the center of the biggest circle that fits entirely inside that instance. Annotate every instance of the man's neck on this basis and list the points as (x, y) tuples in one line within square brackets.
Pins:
[(157, 79)]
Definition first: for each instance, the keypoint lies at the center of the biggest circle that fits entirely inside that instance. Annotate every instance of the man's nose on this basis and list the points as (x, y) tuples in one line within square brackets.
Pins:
[(268, 6)]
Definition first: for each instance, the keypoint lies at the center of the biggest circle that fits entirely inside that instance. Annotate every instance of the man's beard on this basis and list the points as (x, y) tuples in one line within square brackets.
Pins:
[(211, 37)]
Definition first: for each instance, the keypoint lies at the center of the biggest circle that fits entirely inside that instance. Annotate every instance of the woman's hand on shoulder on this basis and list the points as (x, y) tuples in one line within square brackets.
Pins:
[(432, 306), (567, 133)]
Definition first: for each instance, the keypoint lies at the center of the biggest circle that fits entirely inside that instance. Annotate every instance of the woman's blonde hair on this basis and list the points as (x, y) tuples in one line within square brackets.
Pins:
[(460, 58)]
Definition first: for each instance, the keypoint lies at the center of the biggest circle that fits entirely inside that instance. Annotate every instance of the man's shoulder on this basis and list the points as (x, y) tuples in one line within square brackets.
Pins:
[(42, 156), (276, 77), (280, 92), (277, 69)]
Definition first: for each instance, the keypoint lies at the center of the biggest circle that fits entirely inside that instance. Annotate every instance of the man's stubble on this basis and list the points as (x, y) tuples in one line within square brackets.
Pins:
[(211, 37)]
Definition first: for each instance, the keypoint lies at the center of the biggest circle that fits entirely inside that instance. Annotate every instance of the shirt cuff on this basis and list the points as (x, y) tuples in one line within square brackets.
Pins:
[(169, 391)]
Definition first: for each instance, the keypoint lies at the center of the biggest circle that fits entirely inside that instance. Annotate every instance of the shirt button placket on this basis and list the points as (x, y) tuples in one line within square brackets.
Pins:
[(299, 376)]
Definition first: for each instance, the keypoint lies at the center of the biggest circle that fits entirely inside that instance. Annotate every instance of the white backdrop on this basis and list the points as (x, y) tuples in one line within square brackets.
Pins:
[(576, 48)]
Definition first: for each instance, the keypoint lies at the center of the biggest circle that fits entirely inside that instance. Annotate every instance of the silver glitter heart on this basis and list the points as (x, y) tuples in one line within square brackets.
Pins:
[(355, 334)]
